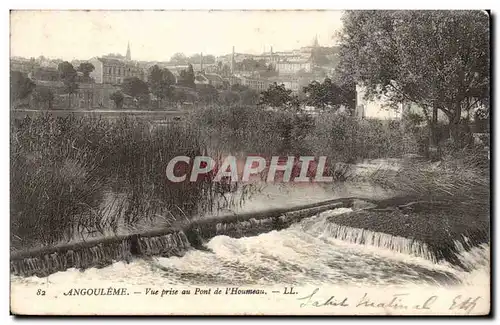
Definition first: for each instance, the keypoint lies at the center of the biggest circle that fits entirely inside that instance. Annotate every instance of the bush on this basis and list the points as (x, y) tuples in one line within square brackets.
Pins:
[(347, 139)]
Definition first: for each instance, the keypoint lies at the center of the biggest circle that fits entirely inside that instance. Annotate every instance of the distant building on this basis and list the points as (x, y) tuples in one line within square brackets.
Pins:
[(200, 79), (289, 82), (114, 71), (257, 84), (233, 80), (215, 79), (209, 79)]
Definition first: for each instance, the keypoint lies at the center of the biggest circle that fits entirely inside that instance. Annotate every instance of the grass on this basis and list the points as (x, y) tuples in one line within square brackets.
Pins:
[(62, 170), (462, 176)]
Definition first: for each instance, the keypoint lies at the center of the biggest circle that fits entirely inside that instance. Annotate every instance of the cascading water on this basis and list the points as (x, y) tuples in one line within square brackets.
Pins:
[(312, 251)]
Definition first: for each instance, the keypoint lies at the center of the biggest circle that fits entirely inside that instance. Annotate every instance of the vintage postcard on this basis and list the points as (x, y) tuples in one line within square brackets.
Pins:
[(249, 162)]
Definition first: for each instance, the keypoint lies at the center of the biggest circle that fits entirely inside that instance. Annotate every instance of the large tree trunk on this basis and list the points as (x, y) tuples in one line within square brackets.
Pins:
[(454, 119), (430, 145), (434, 137)]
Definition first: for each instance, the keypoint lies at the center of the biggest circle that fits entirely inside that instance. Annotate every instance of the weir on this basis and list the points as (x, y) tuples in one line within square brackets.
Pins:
[(359, 236), (164, 242), (167, 242)]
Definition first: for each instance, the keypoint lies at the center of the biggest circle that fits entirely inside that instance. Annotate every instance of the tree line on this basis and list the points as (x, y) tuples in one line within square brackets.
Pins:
[(160, 84), (21, 86)]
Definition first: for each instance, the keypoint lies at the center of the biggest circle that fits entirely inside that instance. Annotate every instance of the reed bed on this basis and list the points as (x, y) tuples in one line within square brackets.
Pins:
[(63, 170), (78, 177)]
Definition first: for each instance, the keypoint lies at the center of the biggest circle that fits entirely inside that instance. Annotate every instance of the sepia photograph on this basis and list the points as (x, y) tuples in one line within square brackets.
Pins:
[(250, 162)]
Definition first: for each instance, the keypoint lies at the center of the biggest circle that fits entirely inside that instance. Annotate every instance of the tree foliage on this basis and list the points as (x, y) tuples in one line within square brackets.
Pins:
[(117, 97), (160, 83), (44, 96), (135, 87), (436, 59), (278, 96), (196, 58), (186, 77), (329, 94), (179, 58), (68, 76), (86, 68), (250, 64), (20, 86)]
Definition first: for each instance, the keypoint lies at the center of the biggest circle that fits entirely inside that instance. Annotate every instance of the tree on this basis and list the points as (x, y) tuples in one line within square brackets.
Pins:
[(209, 59), (114, 56), (330, 94), (20, 86), (160, 83), (179, 58), (135, 88), (44, 96), (86, 68), (187, 77), (196, 58), (68, 76), (438, 60), (277, 96), (118, 98)]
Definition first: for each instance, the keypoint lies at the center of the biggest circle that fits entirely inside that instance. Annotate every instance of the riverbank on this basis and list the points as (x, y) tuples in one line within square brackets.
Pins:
[(445, 227)]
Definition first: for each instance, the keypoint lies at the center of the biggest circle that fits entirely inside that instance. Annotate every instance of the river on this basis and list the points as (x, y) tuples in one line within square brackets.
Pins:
[(304, 254)]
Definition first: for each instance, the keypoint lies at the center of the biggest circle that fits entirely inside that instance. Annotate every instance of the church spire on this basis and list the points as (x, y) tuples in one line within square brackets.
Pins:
[(128, 56), (315, 42)]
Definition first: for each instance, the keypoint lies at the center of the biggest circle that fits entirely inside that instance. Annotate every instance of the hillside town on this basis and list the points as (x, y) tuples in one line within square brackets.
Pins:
[(100, 77)]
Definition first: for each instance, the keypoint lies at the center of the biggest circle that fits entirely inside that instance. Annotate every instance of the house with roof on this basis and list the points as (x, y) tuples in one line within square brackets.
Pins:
[(114, 71), (209, 79), (293, 66)]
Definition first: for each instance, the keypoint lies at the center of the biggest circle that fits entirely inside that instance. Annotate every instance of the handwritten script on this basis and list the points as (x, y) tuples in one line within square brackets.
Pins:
[(394, 302)]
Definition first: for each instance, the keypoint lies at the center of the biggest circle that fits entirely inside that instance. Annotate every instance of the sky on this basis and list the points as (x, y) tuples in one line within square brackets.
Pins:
[(156, 35)]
